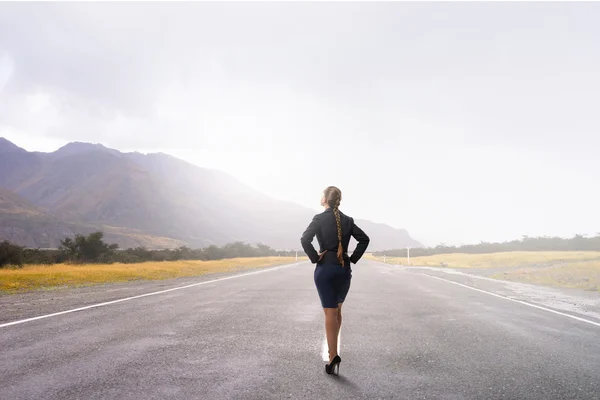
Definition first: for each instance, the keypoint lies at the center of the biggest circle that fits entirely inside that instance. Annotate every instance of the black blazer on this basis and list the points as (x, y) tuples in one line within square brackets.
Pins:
[(325, 228)]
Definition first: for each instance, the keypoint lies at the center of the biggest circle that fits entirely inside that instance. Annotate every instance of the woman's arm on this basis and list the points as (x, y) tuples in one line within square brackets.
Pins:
[(307, 238), (363, 242)]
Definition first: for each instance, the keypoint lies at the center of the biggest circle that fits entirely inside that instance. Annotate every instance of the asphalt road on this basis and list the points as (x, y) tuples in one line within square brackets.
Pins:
[(406, 335)]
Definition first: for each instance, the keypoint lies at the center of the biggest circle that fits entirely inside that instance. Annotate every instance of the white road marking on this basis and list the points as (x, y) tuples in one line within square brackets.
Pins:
[(516, 301), (493, 294), (143, 295)]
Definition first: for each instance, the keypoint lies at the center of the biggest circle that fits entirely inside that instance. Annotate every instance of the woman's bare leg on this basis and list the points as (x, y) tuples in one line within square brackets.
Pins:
[(332, 329), (339, 319)]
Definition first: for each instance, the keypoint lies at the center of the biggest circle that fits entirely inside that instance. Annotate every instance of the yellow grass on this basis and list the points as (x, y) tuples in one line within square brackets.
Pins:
[(495, 260), (35, 277), (550, 268), (579, 275)]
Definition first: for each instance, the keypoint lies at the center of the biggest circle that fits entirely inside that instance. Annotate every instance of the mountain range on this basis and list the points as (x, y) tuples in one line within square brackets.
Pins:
[(151, 200)]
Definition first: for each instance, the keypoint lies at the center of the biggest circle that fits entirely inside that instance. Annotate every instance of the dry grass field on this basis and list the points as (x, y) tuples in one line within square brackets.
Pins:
[(39, 277), (571, 269)]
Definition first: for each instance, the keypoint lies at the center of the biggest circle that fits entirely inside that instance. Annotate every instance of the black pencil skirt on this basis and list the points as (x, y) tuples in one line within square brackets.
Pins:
[(333, 283)]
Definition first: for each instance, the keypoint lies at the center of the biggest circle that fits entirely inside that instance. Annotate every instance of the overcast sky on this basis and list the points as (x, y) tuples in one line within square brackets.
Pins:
[(459, 122)]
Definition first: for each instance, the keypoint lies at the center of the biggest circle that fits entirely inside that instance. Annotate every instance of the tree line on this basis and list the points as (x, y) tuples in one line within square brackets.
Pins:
[(539, 243), (93, 249)]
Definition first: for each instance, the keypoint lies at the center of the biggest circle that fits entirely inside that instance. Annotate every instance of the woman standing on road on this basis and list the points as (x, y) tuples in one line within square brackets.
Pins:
[(333, 273)]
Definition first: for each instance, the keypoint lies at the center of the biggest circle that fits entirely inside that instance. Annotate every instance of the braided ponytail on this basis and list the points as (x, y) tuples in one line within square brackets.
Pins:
[(333, 196), (340, 251)]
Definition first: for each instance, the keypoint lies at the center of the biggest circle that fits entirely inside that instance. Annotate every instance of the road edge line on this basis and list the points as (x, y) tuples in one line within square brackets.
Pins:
[(7, 324), (515, 300), (405, 268)]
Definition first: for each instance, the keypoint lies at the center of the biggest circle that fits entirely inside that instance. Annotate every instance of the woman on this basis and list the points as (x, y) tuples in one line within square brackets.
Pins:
[(333, 273)]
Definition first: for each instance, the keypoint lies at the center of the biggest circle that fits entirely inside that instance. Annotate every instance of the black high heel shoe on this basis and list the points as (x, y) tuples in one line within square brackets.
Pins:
[(335, 365)]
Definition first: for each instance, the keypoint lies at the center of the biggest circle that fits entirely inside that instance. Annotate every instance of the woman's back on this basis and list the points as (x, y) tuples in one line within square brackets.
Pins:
[(328, 235), (325, 227)]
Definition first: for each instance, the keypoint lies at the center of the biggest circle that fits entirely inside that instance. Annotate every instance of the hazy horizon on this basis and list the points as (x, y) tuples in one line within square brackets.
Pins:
[(460, 122)]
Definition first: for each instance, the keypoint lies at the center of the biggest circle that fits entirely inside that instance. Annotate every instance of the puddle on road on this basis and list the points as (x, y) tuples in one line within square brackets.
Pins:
[(325, 348)]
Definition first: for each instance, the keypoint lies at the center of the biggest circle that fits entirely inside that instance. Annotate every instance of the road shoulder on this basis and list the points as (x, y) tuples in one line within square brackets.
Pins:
[(32, 304), (572, 301)]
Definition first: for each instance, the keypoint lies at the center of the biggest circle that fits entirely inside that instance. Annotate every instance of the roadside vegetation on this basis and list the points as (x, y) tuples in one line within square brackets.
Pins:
[(36, 277), (92, 249), (526, 243), (571, 269), (88, 260)]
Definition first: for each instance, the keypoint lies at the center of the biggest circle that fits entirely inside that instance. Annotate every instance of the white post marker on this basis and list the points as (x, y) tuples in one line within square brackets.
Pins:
[(384, 258), (408, 255), (296, 256)]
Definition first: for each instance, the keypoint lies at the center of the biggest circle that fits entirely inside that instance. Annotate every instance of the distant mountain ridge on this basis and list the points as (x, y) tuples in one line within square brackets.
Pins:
[(8, 147), (149, 200)]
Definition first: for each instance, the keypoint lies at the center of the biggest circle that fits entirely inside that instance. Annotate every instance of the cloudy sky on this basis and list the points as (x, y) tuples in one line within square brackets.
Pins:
[(459, 122)]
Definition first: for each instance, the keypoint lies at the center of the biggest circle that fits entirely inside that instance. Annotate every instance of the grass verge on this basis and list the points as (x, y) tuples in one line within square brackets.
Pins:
[(583, 275), (39, 277), (570, 269)]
